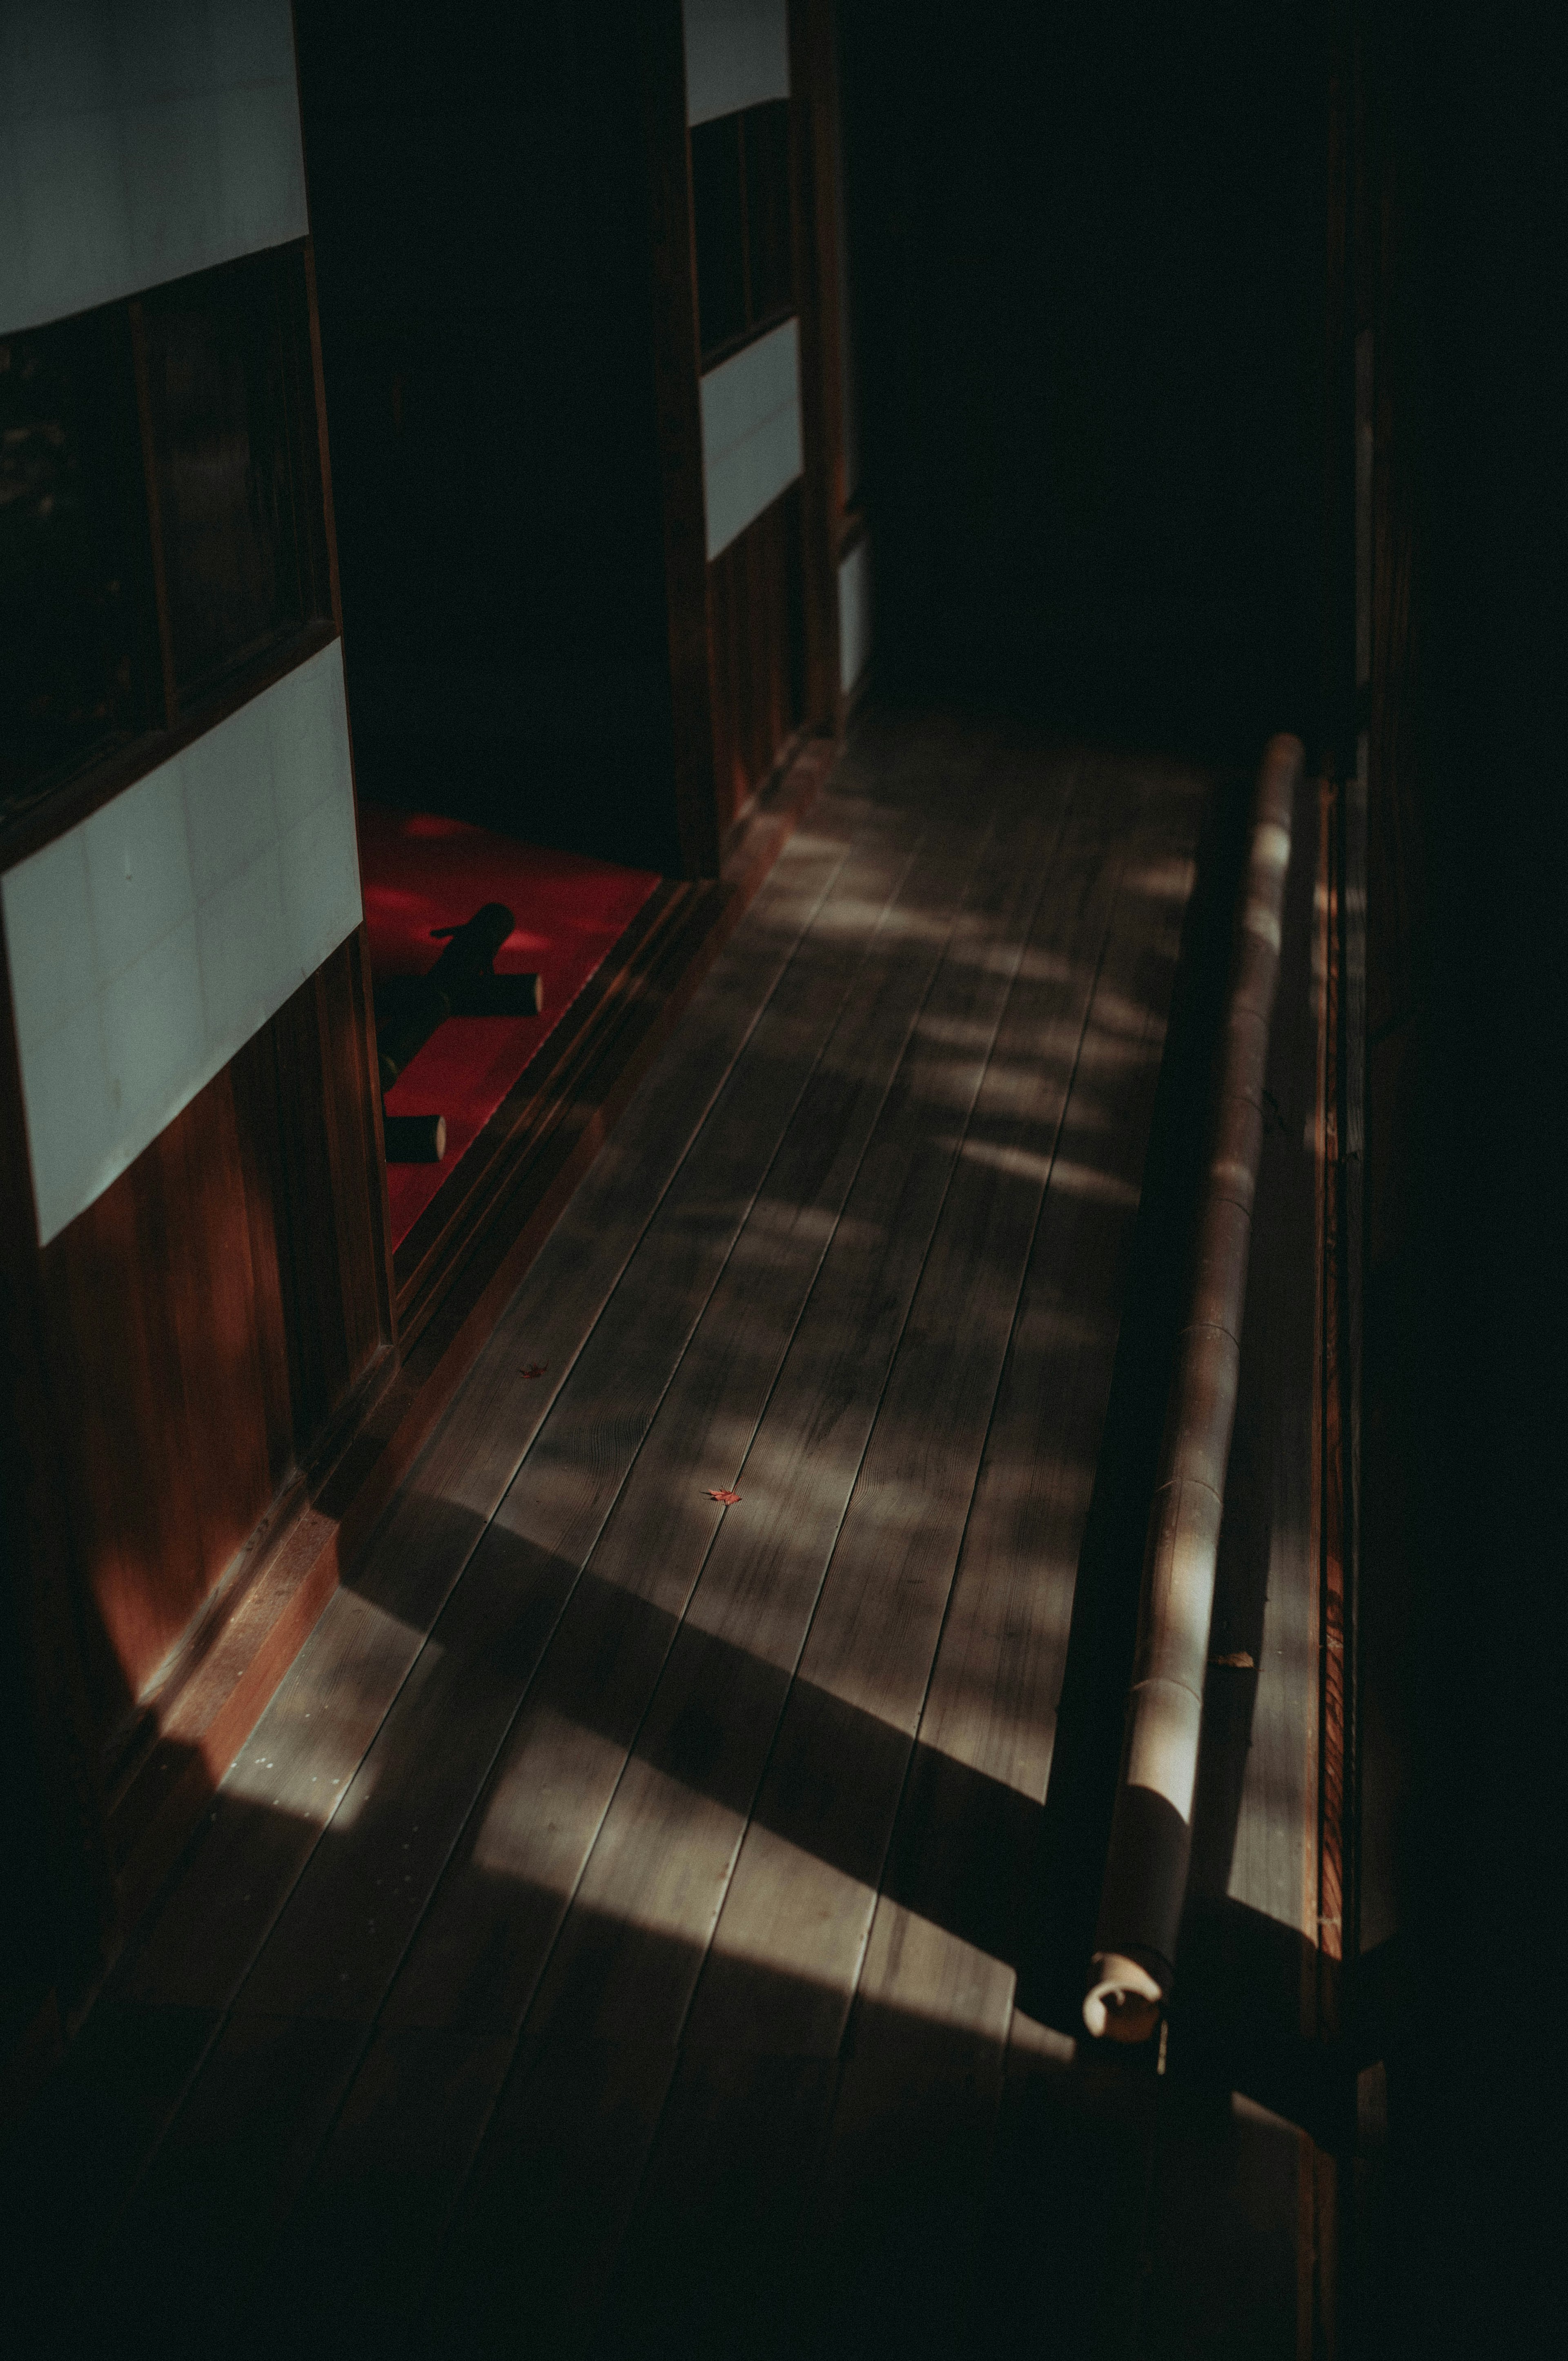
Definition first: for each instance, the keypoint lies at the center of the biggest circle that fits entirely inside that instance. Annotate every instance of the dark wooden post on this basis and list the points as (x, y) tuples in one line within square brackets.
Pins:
[(662, 66), (814, 87)]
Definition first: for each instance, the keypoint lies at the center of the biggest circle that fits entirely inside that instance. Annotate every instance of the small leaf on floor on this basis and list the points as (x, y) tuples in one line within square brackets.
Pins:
[(535, 1370), (726, 1499), (1240, 1660)]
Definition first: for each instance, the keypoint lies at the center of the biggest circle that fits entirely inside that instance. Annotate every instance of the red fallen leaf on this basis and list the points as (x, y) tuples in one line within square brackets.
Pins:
[(535, 1370), (726, 1499)]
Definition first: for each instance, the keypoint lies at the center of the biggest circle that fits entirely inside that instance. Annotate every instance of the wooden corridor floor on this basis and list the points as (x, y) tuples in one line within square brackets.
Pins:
[(608, 1941)]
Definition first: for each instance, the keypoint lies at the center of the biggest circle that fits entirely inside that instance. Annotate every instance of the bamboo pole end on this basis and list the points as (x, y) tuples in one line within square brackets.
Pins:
[(1123, 2001)]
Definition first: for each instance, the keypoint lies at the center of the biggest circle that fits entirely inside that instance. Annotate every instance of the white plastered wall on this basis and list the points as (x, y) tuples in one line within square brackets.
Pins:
[(737, 55), (148, 943), (854, 614), (141, 140), (751, 432)]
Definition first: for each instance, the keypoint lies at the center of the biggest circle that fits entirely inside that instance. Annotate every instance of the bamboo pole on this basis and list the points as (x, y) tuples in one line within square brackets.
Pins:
[(1151, 1829)]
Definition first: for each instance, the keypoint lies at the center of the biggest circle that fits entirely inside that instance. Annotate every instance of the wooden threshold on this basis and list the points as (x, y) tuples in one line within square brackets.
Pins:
[(454, 1276)]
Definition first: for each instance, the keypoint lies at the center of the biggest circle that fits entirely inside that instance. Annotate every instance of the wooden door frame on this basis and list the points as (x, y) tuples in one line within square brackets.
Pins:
[(677, 374)]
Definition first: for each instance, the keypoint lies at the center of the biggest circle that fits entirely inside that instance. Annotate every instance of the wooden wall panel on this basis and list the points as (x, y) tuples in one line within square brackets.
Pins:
[(756, 637), (54, 1863), (313, 1144), (150, 152), (208, 1319), (1458, 241), (157, 1364), (251, 1079), (353, 1112), (184, 1355)]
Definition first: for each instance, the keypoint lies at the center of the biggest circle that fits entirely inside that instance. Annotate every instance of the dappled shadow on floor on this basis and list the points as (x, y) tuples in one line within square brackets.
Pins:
[(331, 2186), (635, 2141)]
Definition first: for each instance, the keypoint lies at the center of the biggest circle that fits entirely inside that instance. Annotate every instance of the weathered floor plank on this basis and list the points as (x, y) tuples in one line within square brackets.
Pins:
[(188, 2254), (72, 2160), (885, 2251), (525, 2269), (499, 1911), (809, 1869), (887, 2262), (363, 2239), (634, 1941), (609, 1941), (295, 1769), (943, 1944)]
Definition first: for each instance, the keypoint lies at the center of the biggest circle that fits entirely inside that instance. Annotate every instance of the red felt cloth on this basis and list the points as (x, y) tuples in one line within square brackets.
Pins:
[(419, 872)]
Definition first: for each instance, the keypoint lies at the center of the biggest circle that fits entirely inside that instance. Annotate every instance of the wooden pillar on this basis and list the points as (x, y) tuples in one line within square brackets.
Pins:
[(672, 263), (814, 80)]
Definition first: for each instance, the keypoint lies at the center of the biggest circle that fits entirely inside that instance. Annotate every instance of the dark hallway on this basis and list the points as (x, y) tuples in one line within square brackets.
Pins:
[(1089, 264), (650, 1917), (568, 1693)]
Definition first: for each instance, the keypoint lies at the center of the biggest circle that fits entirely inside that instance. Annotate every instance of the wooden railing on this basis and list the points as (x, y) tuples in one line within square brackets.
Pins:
[(1151, 1830)]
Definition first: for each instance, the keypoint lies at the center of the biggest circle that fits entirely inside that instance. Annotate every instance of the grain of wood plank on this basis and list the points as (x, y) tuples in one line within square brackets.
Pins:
[(943, 1941), (1063, 2210), (298, 1763), (339, 1939), (887, 2263), (1223, 2273), (525, 2267), (71, 2159), (565, 1287), (497, 1912), (351, 2268), (896, 2206), (891, 2256), (194, 2240), (708, 2265), (275, 1802), (866, 1272), (634, 1941), (805, 1883)]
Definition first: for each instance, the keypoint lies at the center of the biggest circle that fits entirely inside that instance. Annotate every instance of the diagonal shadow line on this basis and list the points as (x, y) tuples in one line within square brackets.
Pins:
[(996, 1825), (998, 1871), (973, 1867), (255, 2218), (972, 1899)]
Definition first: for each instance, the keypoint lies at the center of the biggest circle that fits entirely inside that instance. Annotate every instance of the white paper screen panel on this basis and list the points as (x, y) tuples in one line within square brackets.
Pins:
[(854, 614), (737, 55), (751, 432), (139, 140), (147, 944)]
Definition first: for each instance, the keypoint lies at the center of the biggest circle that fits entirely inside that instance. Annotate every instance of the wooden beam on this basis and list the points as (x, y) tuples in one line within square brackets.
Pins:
[(1146, 1873), (673, 263), (814, 116)]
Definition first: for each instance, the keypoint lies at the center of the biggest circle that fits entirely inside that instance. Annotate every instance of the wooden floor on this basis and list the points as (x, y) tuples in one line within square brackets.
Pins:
[(610, 1939)]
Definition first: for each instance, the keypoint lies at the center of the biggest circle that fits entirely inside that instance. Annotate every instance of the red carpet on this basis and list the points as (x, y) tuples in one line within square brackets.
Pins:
[(419, 872)]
